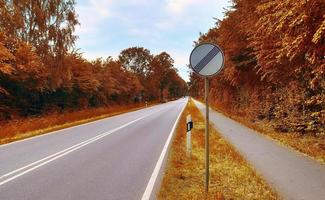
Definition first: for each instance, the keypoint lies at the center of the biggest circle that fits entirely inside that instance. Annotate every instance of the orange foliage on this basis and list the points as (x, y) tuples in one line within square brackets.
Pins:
[(275, 64), (23, 128), (41, 73)]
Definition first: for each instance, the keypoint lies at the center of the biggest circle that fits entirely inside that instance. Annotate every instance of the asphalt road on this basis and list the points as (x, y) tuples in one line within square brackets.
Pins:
[(120, 157), (293, 175)]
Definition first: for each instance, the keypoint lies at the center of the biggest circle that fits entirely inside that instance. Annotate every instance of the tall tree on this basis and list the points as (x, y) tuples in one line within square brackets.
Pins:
[(275, 63), (281, 41), (47, 25), (136, 60), (162, 68)]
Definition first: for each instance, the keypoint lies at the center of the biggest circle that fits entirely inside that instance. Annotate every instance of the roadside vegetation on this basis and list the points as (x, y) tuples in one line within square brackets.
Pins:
[(24, 128), (43, 77), (231, 176), (308, 144), (274, 75)]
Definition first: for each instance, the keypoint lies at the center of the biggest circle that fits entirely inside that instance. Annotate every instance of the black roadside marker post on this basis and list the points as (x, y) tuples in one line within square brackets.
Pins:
[(207, 60)]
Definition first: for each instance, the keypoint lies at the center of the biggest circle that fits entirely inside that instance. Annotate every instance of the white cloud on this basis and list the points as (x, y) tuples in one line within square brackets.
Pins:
[(137, 2), (99, 54), (91, 14), (181, 58), (108, 26), (178, 12), (102, 7), (135, 31), (177, 7)]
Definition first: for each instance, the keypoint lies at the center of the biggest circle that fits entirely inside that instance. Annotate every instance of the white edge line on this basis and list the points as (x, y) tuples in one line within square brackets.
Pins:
[(65, 151), (148, 192), (43, 159), (63, 129)]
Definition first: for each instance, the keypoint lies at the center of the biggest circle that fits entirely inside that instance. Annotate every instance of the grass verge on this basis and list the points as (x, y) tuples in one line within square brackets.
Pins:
[(29, 127), (307, 144), (310, 145), (231, 177)]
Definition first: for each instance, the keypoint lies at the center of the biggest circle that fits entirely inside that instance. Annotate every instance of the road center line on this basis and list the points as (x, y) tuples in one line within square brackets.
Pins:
[(148, 192), (32, 166)]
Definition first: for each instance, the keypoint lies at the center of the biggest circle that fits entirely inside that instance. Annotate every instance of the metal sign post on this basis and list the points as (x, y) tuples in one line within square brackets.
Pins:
[(207, 60), (207, 144)]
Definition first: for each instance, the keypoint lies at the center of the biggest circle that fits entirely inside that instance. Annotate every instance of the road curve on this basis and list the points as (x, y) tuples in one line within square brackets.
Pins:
[(113, 158), (293, 175)]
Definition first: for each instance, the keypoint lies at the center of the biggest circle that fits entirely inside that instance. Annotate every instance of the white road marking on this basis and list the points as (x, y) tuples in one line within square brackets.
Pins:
[(147, 193), (62, 153), (64, 129), (46, 158)]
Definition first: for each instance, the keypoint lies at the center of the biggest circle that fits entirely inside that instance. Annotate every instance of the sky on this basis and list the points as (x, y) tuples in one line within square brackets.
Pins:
[(109, 26)]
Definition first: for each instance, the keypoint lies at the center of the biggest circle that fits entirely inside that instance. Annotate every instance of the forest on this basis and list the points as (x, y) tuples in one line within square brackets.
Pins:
[(41, 70), (275, 64)]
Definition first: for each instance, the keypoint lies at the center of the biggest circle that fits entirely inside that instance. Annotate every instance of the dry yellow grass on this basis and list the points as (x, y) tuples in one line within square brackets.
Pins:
[(231, 176), (310, 145), (307, 144), (29, 127)]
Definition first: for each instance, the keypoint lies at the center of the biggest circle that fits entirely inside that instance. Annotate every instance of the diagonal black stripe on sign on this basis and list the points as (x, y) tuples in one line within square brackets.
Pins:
[(214, 51)]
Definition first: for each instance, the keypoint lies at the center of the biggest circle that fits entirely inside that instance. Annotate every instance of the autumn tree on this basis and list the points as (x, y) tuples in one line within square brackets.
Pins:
[(40, 72), (289, 44), (281, 41), (119, 84), (47, 25), (23, 77), (274, 63), (162, 67), (136, 60), (177, 86)]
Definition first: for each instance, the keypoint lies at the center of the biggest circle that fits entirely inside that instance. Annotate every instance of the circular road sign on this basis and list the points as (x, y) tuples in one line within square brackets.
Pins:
[(207, 59)]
